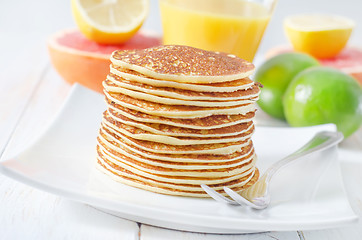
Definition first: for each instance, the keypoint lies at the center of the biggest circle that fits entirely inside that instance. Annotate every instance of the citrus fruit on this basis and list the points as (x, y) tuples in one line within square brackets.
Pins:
[(78, 59), (109, 21), (275, 75), (321, 95), (322, 36), (348, 61)]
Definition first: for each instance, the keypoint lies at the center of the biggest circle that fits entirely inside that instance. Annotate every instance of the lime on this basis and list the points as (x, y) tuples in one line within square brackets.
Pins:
[(275, 75), (324, 95)]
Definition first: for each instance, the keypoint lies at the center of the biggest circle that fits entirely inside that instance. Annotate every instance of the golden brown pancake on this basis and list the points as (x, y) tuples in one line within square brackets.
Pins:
[(122, 146), (178, 117), (169, 130), (140, 134), (175, 111), (129, 178), (179, 180), (114, 83), (156, 147), (111, 88), (110, 149), (184, 64), (168, 172), (173, 101), (209, 122), (230, 86)]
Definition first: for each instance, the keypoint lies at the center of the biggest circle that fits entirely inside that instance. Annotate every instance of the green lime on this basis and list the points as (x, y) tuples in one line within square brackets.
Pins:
[(275, 75), (321, 95)]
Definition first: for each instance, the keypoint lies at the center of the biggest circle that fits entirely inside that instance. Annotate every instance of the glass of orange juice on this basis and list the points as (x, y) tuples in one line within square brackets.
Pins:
[(231, 26)]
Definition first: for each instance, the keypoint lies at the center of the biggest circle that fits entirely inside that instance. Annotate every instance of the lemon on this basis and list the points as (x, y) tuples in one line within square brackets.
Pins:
[(321, 95), (275, 74), (109, 21), (322, 36)]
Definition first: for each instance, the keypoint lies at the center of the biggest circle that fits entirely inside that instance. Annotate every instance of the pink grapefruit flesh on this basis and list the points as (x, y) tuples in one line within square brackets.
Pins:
[(78, 59)]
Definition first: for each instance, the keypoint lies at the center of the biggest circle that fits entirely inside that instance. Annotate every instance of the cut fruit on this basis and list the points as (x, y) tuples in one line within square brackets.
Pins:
[(348, 61), (322, 36), (78, 59), (109, 21)]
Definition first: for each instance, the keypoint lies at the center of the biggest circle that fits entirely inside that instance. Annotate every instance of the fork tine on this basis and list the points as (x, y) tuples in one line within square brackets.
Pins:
[(242, 201), (217, 196)]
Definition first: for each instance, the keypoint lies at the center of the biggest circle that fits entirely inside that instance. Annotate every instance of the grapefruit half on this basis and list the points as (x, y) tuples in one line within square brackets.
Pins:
[(348, 61), (80, 60)]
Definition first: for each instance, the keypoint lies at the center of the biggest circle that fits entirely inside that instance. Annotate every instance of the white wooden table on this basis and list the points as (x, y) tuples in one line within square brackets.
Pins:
[(30, 94)]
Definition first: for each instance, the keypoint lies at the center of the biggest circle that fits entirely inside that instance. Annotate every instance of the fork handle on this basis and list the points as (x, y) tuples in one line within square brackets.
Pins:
[(319, 142)]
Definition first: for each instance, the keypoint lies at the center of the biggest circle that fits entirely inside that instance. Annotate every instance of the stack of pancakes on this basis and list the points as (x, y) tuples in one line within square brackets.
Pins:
[(178, 117)]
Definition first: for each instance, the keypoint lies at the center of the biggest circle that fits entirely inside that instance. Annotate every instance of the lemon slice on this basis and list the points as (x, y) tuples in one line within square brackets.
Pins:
[(322, 36), (109, 21)]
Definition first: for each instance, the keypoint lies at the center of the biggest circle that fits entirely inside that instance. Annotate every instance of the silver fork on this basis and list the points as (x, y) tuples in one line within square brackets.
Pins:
[(257, 196)]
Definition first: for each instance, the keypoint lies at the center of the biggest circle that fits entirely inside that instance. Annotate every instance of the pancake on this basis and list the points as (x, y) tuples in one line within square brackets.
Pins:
[(161, 171), (112, 88), (175, 111), (114, 83), (184, 64), (194, 159), (140, 134), (155, 147), (178, 117), (126, 177), (169, 130), (230, 86), (110, 149), (209, 122), (177, 180)]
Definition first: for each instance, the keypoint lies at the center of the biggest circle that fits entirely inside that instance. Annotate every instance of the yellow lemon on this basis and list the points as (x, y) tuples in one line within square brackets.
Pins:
[(109, 21), (322, 36)]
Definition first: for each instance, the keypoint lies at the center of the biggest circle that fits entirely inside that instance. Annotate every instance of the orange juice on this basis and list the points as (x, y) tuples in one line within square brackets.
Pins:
[(232, 26)]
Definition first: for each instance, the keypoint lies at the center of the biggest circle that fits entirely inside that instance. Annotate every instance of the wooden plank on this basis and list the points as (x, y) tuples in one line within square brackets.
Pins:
[(17, 87), (40, 109), (351, 232), (154, 233), (28, 213)]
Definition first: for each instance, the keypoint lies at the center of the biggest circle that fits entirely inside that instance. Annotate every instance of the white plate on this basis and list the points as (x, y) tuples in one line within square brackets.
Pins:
[(61, 161)]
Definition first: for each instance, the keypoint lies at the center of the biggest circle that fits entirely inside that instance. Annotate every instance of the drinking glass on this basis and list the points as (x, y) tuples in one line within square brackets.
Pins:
[(231, 26)]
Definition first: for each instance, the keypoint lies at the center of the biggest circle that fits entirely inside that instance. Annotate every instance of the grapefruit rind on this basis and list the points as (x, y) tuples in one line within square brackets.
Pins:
[(84, 66), (52, 41)]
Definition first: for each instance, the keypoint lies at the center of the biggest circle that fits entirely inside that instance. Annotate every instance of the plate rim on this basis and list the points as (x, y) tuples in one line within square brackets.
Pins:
[(249, 225)]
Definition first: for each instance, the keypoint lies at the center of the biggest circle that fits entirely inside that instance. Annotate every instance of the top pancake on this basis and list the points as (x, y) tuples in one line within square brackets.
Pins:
[(183, 64), (231, 86)]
